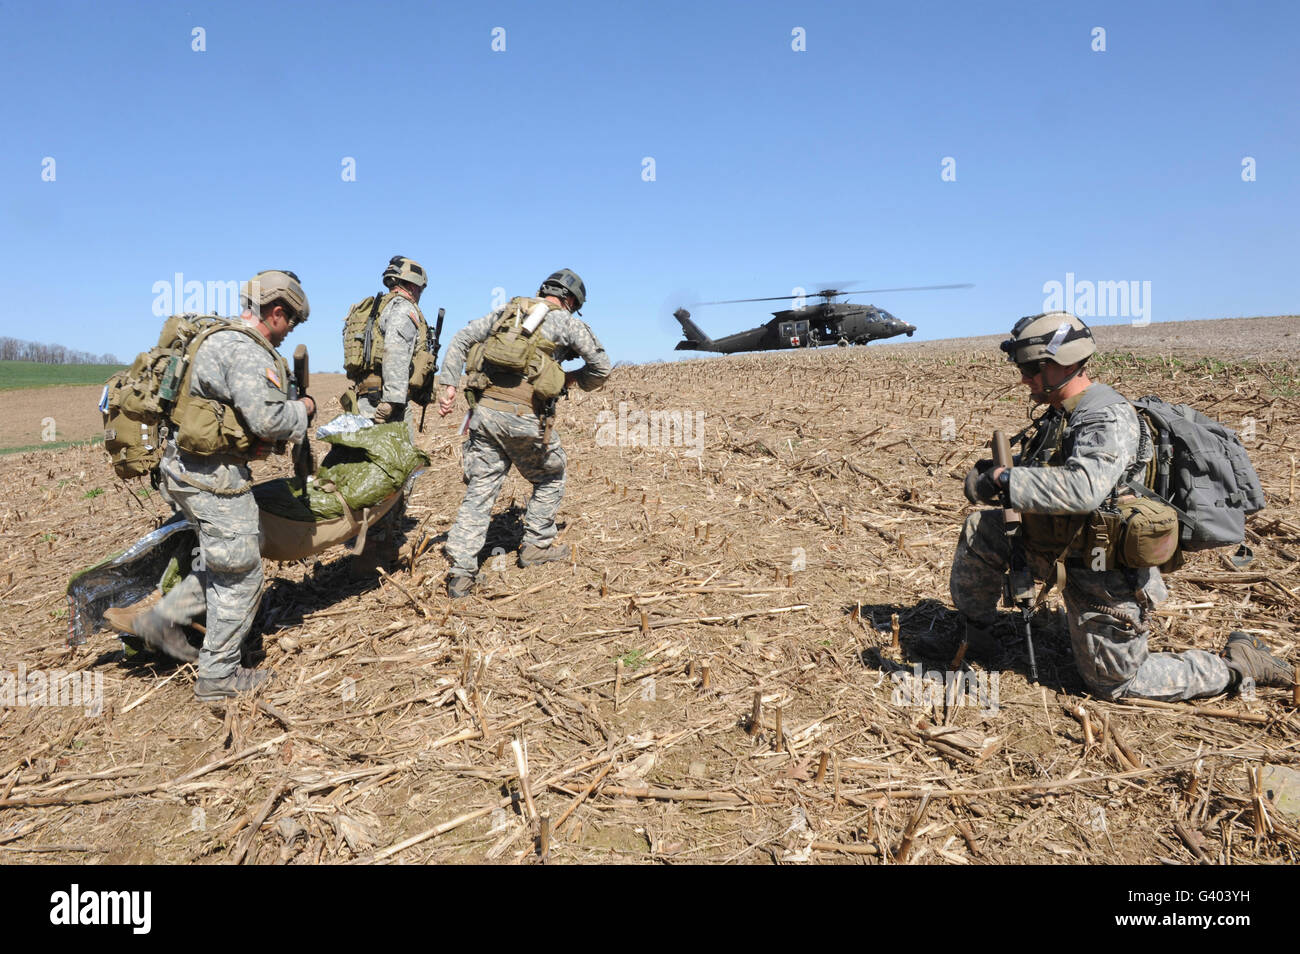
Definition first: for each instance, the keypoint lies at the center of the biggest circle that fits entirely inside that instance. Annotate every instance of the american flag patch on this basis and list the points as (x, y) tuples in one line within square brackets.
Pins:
[(274, 378)]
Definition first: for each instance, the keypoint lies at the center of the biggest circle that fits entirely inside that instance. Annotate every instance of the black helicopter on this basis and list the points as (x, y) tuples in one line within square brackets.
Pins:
[(808, 326)]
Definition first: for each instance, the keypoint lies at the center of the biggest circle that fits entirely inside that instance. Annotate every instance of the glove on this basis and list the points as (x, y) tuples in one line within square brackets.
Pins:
[(989, 490), (972, 479), (384, 413)]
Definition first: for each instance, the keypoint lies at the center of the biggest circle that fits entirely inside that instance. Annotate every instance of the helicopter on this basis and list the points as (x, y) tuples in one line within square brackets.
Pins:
[(805, 326)]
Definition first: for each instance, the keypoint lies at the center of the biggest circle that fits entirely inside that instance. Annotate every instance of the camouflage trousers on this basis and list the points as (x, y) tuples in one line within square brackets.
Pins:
[(226, 578), (496, 441), (1107, 614)]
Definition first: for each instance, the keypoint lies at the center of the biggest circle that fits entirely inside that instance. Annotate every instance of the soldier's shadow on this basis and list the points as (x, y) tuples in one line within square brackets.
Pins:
[(505, 533), (1056, 669)]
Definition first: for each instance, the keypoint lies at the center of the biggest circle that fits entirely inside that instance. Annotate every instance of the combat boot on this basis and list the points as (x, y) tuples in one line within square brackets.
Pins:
[(530, 555), (1248, 657), (163, 636), (459, 585), (241, 680), (981, 644), (121, 619)]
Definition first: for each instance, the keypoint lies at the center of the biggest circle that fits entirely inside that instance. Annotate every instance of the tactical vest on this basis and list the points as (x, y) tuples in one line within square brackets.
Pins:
[(369, 376), (511, 364), (145, 403), (1127, 531), (206, 426)]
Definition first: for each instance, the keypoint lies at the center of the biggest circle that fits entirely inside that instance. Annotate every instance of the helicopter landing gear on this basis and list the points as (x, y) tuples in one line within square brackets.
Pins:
[(842, 343)]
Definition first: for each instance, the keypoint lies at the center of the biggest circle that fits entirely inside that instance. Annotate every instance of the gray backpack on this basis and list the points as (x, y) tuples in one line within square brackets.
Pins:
[(1201, 469)]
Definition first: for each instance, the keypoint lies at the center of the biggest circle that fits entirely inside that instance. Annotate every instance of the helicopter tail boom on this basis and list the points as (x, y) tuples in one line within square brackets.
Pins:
[(696, 339)]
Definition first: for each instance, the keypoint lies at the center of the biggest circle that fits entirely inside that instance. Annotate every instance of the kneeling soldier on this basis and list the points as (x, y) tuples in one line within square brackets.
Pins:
[(1089, 447)]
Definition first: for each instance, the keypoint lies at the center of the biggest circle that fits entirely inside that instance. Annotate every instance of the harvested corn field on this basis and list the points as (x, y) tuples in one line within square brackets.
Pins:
[(722, 674)]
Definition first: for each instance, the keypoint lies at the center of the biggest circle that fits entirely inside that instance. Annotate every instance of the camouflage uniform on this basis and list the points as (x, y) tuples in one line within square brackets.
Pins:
[(215, 493), (1103, 447), (398, 326), (499, 438)]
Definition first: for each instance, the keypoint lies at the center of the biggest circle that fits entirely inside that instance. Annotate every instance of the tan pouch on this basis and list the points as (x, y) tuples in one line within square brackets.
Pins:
[(1137, 532), (509, 350), (422, 371), (198, 427), (547, 377)]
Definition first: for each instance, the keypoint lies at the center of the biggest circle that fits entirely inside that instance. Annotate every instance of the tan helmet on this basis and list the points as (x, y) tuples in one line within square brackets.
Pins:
[(402, 269), (275, 285), (1056, 336)]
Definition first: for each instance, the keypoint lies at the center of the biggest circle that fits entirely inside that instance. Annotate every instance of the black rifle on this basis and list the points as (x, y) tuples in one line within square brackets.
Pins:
[(304, 461), (433, 342), (368, 340), (548, 415), (1018, 593)]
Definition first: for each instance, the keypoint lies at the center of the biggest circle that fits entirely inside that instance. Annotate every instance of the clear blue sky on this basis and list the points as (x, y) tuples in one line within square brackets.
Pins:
[(773, 168)]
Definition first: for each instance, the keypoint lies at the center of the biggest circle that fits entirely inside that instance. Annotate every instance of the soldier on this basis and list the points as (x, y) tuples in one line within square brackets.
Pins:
[(381, 391), (239, 379), (508, 415), (1089, 445)]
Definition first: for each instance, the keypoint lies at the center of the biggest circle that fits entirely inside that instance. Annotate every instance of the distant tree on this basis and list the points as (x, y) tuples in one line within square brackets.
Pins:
[(12, 349)]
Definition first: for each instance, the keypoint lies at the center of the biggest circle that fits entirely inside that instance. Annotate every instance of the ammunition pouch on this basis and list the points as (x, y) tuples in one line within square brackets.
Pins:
[(423, 370), (1130, 532), (206, 427)]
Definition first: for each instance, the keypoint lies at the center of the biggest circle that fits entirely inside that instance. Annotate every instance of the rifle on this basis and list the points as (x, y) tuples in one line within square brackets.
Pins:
[(434, 344), (1018, 590), (368, 340), (548, 415), (304, 461)]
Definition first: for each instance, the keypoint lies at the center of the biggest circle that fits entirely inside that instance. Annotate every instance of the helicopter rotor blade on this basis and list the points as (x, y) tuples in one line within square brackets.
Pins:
[(828, 293), (738, 301), (878, 291)]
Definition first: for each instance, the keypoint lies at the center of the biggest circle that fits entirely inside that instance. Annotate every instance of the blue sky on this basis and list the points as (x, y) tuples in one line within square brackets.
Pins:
[(773, 168)]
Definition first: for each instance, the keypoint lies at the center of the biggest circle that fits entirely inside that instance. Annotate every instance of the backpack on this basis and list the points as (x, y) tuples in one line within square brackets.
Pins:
[(138, 403), (515, 350), (363, 316), (1200, 468)]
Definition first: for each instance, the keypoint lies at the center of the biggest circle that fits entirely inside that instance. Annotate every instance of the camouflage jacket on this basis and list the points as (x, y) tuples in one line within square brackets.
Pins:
[(232, 368), (400, 333), (572, 336), (1102, 448)]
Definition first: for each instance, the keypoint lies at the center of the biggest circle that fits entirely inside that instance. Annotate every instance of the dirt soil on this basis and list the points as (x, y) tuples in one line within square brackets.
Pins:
[(714, 676)]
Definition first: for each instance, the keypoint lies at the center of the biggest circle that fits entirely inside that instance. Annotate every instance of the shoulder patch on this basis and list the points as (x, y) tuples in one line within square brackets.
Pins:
[(274, 379)]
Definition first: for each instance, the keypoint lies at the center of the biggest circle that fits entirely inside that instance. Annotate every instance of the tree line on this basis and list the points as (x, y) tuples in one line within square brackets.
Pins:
[(11, 349)]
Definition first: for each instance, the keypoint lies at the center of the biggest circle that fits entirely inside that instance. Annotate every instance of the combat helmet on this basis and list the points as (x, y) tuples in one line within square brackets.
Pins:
[(276, 284), (1056, 336), (403, 269), (565, 282)]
